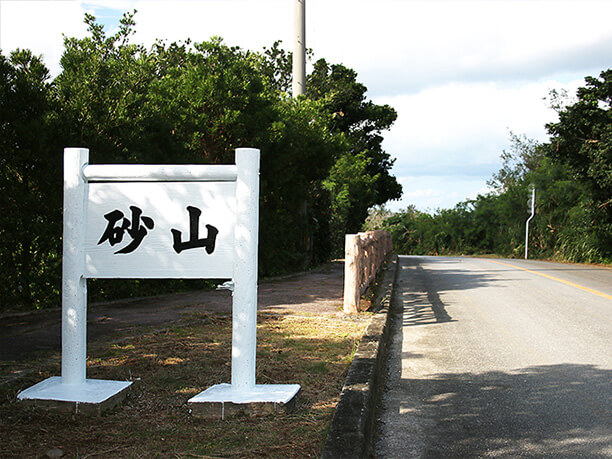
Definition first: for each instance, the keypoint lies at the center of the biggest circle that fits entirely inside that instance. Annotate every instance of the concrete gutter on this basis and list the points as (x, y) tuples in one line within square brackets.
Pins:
[(352, 427)]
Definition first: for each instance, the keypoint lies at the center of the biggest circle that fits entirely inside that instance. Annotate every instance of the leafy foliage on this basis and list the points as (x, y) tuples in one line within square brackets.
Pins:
[(572, 174), (30, 219), (322, 161), (361, 122), (360, 168), (582, 141)]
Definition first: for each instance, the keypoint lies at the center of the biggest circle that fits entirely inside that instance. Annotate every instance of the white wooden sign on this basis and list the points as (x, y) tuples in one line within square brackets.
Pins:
[(160, 221), (160, 230)]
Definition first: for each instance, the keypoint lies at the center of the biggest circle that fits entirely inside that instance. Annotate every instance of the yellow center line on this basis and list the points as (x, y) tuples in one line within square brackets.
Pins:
[(581, 287)]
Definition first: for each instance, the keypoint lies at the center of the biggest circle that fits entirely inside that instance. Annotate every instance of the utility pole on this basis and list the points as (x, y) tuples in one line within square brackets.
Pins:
[(531, 205), (299, 48)]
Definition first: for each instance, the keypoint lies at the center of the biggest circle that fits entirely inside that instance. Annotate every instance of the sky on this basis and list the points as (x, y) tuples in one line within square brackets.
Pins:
[(461, 74)]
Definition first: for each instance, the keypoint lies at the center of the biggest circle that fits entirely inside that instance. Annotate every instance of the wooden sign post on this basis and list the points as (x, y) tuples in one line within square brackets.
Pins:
[(160, 221)]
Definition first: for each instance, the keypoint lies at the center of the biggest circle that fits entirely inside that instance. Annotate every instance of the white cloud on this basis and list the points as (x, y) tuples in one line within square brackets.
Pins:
[(463, 128), (459, 72), (396, 46), (39, 26), (248, 24), (447, 140), (431, 192), (427, 193), (415, 44)]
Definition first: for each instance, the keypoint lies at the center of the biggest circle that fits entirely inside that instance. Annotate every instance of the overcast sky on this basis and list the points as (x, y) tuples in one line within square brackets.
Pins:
[(461, 74)]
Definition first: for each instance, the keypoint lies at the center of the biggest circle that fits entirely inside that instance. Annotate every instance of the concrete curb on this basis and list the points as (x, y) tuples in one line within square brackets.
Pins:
[(352, 427)]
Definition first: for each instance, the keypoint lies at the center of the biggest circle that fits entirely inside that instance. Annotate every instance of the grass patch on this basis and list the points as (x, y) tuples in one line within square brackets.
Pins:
[(177, 363)]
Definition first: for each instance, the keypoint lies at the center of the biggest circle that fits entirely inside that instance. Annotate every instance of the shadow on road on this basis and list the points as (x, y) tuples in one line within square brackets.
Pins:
[(552, 411), (437, 306), (421, 299), (424, 309), (422, 302)]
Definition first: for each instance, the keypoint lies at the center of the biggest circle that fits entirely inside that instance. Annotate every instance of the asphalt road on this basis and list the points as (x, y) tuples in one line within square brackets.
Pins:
[(498, 358)]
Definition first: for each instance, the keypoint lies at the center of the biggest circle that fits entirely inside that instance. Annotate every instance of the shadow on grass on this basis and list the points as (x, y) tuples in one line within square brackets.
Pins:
[(173, 365), (314, 292)]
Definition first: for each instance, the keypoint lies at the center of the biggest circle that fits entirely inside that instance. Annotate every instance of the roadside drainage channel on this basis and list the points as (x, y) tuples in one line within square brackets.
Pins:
[(352, 427)]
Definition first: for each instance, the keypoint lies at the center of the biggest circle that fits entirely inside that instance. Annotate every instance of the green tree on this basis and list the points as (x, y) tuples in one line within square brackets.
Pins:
[(196, 103), (376, 218), (360, 177), (103, 90), (184, 103), (582, 140), (30, 191), (362, 122)]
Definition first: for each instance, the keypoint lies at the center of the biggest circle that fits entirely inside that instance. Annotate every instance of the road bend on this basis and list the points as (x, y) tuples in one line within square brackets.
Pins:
[(498, 358)]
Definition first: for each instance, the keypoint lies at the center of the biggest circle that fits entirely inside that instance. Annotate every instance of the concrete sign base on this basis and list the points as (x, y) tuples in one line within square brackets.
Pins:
[(93, 396), (221, 401)]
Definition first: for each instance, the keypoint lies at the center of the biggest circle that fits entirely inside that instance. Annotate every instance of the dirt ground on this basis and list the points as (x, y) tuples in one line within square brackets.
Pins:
[(23, 335), (172, 347)]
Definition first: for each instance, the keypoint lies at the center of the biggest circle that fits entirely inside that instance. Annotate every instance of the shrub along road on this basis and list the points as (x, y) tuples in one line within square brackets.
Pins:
[(498, 357)]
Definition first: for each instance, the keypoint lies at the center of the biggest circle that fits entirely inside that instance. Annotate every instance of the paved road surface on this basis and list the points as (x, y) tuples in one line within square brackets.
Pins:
[(498, 358)]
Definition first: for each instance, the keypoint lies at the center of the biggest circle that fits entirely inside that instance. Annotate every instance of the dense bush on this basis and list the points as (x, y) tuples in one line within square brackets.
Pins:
[(322, 163)]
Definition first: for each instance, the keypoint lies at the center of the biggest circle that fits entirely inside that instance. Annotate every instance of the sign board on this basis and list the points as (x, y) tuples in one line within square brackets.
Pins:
[(160, 221), (160, 230), (531, 199)]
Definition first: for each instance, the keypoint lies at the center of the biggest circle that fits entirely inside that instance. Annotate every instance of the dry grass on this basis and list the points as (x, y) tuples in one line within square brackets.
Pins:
[(172, 366)]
